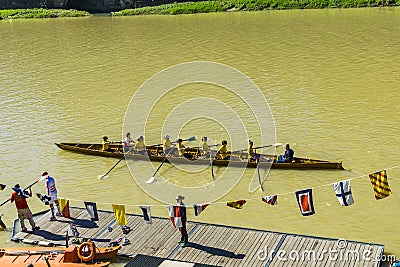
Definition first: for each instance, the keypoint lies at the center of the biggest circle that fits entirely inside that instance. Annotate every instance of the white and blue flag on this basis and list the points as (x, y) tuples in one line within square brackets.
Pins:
[(343, 192)]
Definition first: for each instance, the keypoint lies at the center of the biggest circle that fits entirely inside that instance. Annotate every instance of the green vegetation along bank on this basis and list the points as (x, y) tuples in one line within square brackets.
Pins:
[(37, 13), (250, 5)]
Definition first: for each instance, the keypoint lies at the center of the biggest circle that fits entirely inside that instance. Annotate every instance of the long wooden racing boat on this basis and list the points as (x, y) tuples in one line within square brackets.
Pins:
[(239, 159), (57, 256)]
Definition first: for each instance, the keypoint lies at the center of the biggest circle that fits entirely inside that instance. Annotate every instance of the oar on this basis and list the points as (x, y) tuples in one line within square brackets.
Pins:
[(165, 159), (258, 170), (272, 145), (189, 139), (101, 177), (41, 179), (208, 146), (212, 168), (159, 167), (34, 252)]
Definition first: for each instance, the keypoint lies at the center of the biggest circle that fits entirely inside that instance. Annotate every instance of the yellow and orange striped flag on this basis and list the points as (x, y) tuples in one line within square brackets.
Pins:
[(380, 184)]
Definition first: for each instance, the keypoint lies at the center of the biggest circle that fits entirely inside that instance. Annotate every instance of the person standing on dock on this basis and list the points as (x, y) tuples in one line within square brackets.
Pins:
[(51, 191), (20, 196), (182, 212)]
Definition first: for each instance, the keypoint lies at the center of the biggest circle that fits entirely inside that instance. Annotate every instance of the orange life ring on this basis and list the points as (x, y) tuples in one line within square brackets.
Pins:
[(86, 251)]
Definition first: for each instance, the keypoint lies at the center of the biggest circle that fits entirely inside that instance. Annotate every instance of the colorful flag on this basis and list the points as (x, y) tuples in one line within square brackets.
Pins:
[(44, 198), (175, 216), (198, 208), (64, 207), (120, 215), (380, 184), (237, 204), (343, 192), (146, 214), (2, 186), (91, 208), (305, 201), (272, 200)]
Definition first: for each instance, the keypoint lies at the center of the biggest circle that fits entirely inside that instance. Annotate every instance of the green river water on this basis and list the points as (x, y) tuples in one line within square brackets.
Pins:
[(331, 78)]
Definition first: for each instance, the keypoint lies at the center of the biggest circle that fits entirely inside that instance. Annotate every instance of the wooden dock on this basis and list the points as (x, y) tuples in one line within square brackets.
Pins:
[(210, 244)]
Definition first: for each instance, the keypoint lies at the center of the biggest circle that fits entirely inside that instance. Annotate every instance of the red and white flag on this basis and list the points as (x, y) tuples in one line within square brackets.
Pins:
[(305, 201), (198, 208), (272, 200), (175, 216)]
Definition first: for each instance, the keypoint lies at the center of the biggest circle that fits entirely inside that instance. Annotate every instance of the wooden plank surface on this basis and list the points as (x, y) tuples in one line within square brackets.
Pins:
[(214, 245)]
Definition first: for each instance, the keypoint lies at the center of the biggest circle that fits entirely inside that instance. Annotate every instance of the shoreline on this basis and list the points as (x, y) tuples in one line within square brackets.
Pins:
[(40, 13), (249, 5), (199, 7)]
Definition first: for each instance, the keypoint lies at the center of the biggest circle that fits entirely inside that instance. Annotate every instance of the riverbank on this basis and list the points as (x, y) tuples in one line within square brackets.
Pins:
[(250, 5), (38, 13)]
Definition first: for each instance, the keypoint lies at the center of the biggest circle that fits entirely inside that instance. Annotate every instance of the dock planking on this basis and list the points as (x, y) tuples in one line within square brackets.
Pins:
[(210, 244)]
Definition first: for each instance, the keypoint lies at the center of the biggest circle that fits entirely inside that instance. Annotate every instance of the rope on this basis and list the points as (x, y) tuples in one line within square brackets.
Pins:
[(247, 199)]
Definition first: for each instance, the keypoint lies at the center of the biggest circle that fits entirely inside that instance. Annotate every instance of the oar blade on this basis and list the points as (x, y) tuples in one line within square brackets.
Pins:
[(150, 180), (101, 177), (191, 139)]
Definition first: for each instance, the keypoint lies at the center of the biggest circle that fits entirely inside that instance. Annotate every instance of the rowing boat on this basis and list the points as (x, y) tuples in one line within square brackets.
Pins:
[(55, 256), (239, 159)]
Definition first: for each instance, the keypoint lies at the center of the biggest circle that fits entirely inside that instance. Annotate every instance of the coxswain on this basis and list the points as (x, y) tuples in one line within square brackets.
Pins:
[(287, 157), (223, 152)]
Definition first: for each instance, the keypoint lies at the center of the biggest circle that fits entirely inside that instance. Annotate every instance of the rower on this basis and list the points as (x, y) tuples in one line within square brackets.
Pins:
[(105, 145), (140, 147), (252, 153), (128, 141), (250, 149), (287, 157), (168, 147), (204, 148), (182, 150), (223, 152)]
